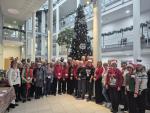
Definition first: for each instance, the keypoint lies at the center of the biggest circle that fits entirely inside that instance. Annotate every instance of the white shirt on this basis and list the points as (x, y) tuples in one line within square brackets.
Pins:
[(143, 79), (14, 76), (104, 75)]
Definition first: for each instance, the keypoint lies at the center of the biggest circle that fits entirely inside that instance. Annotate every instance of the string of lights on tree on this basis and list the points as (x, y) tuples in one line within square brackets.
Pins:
[(80, 46)]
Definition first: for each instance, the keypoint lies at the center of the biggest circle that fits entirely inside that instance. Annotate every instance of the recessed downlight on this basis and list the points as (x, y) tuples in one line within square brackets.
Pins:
[(88, 2), (14, 22), (13, 11), (127, 11)]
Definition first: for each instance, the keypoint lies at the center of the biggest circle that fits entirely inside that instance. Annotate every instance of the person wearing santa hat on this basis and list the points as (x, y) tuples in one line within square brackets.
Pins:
[(98, 83), (124, 100), (131, 83), (90, 75), (114, 81), (105, 91)]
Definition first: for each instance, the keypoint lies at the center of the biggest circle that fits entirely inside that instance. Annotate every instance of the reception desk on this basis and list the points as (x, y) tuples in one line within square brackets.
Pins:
[(7, 94)]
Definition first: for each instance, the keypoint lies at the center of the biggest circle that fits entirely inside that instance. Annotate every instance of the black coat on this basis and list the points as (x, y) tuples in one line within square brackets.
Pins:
[(148, 84)]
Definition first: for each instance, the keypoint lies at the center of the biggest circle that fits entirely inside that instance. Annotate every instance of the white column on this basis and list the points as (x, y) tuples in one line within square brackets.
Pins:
[(136, 31), (97, 31), (57, 29), (33, 36), (78, 3), (1, 41), (50, 30), (1, 27), (43, 47)]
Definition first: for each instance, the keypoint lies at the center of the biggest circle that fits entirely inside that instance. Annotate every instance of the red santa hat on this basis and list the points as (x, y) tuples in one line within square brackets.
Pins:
[(131, 66), (113, 62)]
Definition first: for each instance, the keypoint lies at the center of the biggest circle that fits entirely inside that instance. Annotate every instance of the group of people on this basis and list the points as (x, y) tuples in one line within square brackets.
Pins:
[(106, 82)]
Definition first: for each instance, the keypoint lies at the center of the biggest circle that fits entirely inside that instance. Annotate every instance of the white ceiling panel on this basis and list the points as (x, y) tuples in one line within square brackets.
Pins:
[(20, 9)]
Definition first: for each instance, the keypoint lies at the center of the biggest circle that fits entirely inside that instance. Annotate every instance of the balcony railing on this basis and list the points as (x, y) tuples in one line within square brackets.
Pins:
[(13, 34), (118, 47)]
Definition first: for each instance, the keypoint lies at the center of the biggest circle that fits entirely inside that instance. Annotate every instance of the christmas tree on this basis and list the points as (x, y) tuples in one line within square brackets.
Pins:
[(80, 44)]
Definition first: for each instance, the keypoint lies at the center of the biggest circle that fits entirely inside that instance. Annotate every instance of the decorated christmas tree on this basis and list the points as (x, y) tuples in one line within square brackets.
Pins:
[(80, 43)]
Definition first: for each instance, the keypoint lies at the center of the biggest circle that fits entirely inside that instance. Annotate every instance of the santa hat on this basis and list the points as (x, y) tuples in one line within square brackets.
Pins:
[(113, 62), (131, 66), (90, 60)]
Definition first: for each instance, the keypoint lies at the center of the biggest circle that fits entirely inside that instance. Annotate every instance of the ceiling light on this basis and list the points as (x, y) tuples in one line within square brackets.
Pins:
[(10, 26), (13, 11), (14, 22), (127, 11), (88, 2)]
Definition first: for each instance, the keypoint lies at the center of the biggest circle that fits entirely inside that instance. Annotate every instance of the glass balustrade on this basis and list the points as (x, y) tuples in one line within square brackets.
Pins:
[(13, 34)]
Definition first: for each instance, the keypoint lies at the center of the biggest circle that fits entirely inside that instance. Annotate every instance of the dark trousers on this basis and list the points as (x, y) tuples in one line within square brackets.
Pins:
[(132, 103), (123, 98), (141, 102), (59, 86), (70, 87), (76, 86), (48, 86), (17, 92), (64, 85), (54, 86), (32, 90), (98, 91), (24, 91), (38, 92), (82, 88), (147, 99), (89, 89), (114, 97)]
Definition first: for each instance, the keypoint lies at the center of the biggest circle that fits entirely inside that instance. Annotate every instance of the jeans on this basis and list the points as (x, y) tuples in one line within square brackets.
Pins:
[(105, 94)]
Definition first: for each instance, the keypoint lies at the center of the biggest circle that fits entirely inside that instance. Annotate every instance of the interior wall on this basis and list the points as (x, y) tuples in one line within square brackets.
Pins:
[(117, 25), (11, 52)]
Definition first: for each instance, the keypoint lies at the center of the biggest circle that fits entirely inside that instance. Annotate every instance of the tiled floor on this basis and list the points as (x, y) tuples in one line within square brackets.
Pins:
[(59, 104)]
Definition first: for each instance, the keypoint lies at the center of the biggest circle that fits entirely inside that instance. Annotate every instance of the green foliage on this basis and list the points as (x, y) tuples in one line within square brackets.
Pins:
[(65, 37)]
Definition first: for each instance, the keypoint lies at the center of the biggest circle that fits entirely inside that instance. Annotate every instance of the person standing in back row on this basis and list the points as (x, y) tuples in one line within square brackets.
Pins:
[(124, 98), (27, 75), (38, 74), (131, 83), (98, 83), (82, 79), (58, 74), (64, 77), (71, 78), (49, 78), (90, 75)]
